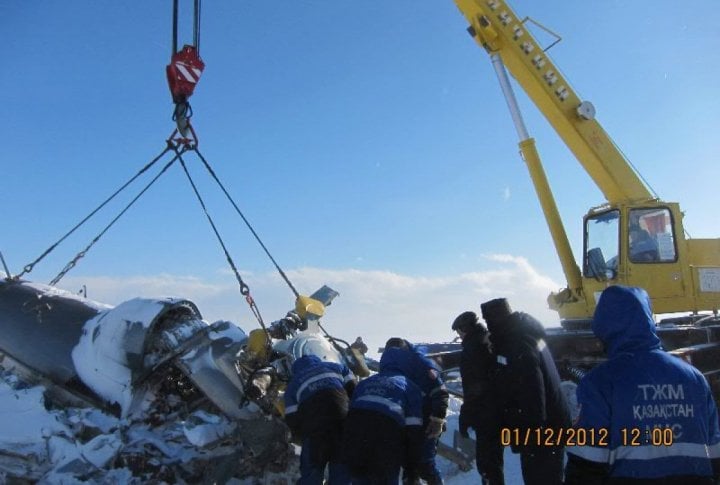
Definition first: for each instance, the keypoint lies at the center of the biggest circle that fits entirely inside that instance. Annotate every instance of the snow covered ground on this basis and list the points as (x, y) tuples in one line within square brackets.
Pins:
[(30, 435), (72, 445), (453, 475)]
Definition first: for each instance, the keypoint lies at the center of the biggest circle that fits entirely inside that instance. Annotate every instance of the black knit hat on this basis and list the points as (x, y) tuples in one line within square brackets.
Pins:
[(465, 321), (495, 311)]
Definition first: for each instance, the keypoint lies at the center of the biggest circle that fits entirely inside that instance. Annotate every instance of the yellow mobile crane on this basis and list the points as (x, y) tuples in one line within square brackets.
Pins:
[(632, 239)]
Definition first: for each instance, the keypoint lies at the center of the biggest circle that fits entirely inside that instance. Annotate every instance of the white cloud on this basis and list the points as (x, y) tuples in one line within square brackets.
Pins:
[(374, 304), (506, 193)]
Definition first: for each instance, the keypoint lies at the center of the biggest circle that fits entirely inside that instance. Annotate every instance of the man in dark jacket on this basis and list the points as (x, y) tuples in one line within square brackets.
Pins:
[(478, 411), (316, 404), (425, 374), (654, 412), (527, 386), (383, 429)]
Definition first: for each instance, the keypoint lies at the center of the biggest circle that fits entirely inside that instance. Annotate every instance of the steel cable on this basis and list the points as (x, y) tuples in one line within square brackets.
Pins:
[(247, 223), (29, 267), (244, 289), (82, 253)]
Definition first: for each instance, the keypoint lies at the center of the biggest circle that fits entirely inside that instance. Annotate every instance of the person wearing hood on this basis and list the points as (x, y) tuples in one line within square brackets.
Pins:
[(653, 415), (479, 410), (383, 429), (527, 392), (316, 404), (424, 373)]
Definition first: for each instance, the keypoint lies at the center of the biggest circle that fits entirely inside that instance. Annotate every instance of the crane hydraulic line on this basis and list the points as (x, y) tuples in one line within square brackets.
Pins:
[(634, 238)]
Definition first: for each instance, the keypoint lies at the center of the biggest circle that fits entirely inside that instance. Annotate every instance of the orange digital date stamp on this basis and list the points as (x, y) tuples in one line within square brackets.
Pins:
[(657, 436), (554, 437)]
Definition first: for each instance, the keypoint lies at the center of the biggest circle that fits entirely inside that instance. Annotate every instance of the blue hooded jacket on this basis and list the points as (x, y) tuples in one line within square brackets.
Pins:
[(639, 389), (389, 392), (311, 375), (426, 374)]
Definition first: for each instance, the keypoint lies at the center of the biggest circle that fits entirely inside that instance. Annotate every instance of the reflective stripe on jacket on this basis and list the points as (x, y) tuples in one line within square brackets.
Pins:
[(389, 392), (638, 389), (310, 375)]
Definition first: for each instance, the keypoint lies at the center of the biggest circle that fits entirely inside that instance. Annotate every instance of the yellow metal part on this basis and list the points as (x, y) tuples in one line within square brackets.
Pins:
[(676, 285), (688, 282), (259, 344), (306, 306), (498, 29), (552, 216)]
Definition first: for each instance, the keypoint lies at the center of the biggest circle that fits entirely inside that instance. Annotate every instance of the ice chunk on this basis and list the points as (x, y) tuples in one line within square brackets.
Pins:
[(202, 428), (101, 450)]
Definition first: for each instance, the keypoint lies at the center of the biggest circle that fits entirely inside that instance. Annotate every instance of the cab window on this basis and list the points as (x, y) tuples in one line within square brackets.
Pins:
[(602, 243), (650, 236)]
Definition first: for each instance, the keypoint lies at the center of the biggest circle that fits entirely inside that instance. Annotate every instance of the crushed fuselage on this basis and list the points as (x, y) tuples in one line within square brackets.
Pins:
[(178, 396)]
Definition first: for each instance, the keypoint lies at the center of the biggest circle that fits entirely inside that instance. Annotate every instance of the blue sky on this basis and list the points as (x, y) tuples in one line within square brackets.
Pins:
[(367, 142)]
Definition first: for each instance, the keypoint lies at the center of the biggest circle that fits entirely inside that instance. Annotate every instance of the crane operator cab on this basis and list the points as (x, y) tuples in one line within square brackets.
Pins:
[(649, 239), (618, 240)]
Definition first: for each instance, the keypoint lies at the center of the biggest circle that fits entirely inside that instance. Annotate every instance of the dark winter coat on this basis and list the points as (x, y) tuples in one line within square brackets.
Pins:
[(527, 384), (480, 409), (641, 387), (477, 367), (383, 429)]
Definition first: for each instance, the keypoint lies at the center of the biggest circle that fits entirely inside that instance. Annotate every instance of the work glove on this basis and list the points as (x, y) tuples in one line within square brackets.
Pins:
[(463, 425), (435, 427)]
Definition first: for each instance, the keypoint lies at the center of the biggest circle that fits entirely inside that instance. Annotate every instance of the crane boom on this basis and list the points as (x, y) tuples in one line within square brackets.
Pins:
[(634, 238), (497, 29)]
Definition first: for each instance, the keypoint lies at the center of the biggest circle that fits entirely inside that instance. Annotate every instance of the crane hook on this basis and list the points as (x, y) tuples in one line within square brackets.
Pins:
[(184, 71)]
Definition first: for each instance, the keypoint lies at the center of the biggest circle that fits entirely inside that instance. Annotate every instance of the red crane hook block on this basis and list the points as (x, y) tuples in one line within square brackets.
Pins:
[(184, 72)]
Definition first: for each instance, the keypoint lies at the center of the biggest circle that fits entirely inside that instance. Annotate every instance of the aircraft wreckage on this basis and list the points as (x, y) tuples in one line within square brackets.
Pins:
[(147, 390)]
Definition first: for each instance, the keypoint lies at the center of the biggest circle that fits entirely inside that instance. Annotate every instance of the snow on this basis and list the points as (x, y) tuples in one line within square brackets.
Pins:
[(35, 435), (203, 428), (61, 446), (101, 450), (51, 437), (513, 475), (25, 422), (101, 356), (54, 291), (453, 475)]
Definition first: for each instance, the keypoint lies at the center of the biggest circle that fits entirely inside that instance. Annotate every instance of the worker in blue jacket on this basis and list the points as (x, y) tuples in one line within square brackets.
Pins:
[(383, 429), (316, 404), (652, 415), (424, 373)]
